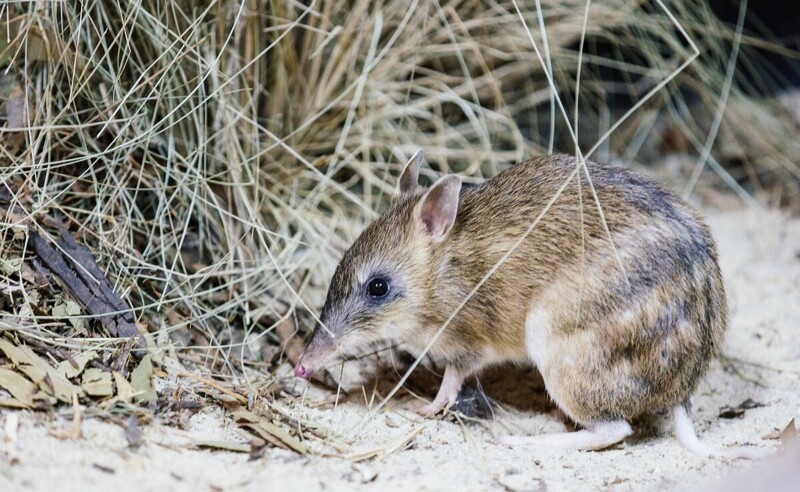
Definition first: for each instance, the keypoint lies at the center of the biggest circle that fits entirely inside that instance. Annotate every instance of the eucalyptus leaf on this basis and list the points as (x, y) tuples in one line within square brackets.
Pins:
[(96, 382), (66, 368), (19, 387), (141, 380)]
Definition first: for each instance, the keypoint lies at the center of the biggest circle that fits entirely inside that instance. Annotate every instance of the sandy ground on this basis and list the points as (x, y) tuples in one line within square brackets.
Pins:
[(760, 256)]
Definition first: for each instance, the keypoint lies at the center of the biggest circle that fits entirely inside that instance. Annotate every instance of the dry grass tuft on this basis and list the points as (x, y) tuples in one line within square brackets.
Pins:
[(216, 160)]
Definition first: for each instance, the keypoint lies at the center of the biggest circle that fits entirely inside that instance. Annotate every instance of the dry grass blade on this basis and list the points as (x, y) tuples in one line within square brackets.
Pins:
[(224, 445), (215, 385), (268, 431), (384, 451)]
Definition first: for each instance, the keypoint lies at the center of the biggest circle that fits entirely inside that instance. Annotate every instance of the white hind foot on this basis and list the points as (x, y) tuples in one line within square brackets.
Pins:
[(595, 436), (684, 430)]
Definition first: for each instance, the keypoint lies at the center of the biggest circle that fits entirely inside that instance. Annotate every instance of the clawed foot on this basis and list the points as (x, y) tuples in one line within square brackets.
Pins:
[(432, 408), (447, 395), (442, 402), (428, 410)]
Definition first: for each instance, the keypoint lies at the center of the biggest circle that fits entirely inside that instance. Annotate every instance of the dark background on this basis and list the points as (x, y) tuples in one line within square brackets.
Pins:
[(778, 20)]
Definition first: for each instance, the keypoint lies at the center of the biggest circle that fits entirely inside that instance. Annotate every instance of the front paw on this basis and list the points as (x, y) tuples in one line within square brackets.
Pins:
[(430, 409)]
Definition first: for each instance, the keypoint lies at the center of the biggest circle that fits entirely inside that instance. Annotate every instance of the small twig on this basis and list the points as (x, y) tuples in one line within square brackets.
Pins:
[(88, 295), (91, 274)]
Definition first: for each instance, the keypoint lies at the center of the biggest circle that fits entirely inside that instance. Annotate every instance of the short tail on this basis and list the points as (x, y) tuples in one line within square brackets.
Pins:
[(684, 430)]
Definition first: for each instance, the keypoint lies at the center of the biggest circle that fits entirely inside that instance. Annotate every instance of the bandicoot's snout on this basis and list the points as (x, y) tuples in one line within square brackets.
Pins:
[(318, 351), (306, 365), (302, 371)]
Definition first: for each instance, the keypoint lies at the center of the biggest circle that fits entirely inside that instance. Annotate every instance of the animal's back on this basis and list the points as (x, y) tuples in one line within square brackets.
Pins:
[(609, 344)]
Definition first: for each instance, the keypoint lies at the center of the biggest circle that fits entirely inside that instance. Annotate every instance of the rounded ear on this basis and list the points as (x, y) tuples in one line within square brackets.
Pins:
[(410, 175), (437, 208)]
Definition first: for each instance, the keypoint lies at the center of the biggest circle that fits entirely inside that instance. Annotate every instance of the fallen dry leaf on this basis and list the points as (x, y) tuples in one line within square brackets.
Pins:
[(69, 371), (19, 387), (269, 431), (125, 390), (40, 372), (96, 382), (10, 266), (69, 310), (12, 403), (141, 380)]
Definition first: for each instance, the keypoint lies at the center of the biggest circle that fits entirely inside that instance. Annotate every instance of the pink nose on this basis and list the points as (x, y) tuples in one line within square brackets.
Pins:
[(302, 371)]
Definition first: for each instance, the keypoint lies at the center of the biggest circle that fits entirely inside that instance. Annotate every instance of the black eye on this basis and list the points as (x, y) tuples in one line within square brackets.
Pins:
[(377, 287)]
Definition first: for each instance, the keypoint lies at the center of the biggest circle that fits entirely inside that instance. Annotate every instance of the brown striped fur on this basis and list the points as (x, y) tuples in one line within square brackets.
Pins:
[(609, 346)]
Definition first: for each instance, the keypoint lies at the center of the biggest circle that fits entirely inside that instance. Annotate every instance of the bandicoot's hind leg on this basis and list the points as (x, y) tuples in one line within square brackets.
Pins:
[(684, 430), (594, 436)]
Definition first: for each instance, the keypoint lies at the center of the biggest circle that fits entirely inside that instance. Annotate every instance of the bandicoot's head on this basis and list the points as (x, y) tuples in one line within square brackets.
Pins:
[(382, 283)]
